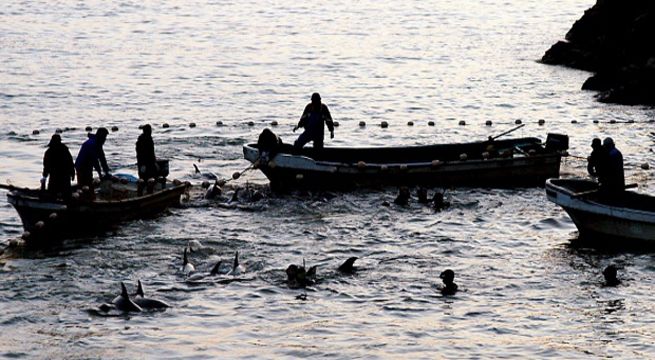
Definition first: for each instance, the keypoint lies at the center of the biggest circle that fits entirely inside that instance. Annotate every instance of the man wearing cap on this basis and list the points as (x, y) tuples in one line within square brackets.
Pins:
[(315, 115), (611, 177), (145, 154), (58, 165), (92, 156)]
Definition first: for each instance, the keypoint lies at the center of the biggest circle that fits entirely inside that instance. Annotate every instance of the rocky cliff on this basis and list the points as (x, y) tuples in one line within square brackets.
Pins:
[(615, 39)]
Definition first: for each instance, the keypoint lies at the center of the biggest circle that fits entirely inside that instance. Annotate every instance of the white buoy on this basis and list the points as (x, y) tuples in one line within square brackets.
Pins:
[(299, 177), (361, 165), (463, 157)]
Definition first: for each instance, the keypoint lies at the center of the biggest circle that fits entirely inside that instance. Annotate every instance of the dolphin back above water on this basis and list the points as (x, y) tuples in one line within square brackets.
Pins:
[(147, 303), (124, 303)]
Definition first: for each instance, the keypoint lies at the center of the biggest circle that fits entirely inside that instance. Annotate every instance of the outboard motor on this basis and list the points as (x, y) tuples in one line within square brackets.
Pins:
[(268, 144), (557, 142)]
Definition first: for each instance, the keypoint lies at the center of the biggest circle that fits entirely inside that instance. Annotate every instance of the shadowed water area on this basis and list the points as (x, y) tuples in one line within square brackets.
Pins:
[(525, 292)]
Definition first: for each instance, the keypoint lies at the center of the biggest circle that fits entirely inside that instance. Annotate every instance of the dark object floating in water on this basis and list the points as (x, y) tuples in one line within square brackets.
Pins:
[(348, 266), (88, 129), (192, 125), (499, 163), (430, 123), (36, 132), (165, 125), (449, 288), (610, 276), (605, 219), (114, 128)]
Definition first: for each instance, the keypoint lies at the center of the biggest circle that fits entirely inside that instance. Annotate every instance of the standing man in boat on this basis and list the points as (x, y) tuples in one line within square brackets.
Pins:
[(92, 156), (594, 159), (611, 176), (145, 154), (313, 118), (58, 165)]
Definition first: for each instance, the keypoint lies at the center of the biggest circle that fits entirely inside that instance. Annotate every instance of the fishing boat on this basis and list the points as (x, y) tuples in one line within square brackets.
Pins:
[(628, 216), (518, 162), (46, 216)]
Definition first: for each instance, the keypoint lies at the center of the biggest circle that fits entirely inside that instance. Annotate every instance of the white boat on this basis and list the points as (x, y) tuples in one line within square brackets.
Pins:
[(628, 216)]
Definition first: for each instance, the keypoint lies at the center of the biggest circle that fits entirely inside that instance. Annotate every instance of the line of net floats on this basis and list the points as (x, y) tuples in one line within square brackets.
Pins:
[(363, 124)]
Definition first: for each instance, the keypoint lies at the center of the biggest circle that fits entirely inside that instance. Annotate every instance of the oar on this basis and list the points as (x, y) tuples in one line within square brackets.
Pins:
[(583, 193), (7, 187), (492, 138)]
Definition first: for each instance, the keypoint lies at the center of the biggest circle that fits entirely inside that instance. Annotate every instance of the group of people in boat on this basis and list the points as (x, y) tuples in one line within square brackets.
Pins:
[(606, 164), (59, 169)]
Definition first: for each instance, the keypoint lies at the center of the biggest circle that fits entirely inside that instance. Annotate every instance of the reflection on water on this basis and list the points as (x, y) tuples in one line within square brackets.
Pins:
[(524, 289)]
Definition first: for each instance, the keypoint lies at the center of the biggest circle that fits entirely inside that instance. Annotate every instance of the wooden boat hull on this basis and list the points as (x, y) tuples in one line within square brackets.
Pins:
[(81, 217), (630, 216), (435, 165)]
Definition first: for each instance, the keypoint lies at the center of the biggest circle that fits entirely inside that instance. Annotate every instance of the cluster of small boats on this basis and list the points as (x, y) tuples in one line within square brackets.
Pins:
[(518, 162)]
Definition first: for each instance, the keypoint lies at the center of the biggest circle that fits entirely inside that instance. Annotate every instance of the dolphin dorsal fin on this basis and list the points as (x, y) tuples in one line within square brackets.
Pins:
[(186, 260), (139, 289), (124, 291), (236, 260), (216, 268)]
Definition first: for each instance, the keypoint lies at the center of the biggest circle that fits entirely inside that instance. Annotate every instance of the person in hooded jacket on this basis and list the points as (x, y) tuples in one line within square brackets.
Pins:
[(314, 119), (58, 166), (611, 176), (92, 156), (145, 154)]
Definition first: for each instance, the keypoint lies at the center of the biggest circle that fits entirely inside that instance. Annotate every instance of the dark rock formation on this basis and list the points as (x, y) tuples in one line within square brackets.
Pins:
[(616, 40)]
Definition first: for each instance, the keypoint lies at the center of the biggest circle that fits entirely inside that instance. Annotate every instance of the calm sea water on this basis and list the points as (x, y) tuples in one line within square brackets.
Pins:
[(526, 293)]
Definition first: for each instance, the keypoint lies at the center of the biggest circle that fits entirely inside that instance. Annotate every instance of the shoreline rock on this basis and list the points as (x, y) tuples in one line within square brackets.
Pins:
[(613, 39)]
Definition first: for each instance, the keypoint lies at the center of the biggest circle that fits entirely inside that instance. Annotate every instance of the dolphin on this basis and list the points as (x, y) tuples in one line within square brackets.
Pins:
[(236, 268), (347, 266), (147, 303), (124, 303), (187, 267), (216, 269)]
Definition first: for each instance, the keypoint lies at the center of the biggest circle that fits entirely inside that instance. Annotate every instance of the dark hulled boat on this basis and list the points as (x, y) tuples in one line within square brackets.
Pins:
[(508, 163), (43, 215)]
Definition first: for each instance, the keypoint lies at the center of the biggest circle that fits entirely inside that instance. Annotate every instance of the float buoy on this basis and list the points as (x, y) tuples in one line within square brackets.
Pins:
[(273, 123), (335, 123), (88, 129), (192, 125), (488, 123), (384, 124), (595, 121), (463, 157), (52, 216), (436, 163), (541, 121), (35, 132), (362, 123), (219, 123), (361, 165), (236, 175), (430, 123), (299, 177), (114, 128), (251, 123), (59, 131), (645, 166), (574, 121), (165, 125), (612, 121), (410, 123), (518, 122), (462, 123)]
